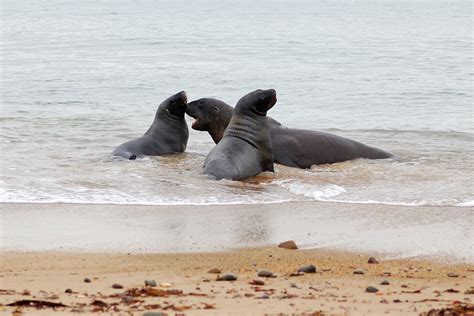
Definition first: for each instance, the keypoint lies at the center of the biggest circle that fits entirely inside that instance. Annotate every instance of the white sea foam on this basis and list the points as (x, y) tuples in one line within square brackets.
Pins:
[(312, 191), (466, 203), (128, 200)]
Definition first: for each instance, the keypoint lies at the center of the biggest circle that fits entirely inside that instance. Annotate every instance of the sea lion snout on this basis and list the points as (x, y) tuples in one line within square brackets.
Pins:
[(177, 103), (180, 97), (266, 100), (194, 109)]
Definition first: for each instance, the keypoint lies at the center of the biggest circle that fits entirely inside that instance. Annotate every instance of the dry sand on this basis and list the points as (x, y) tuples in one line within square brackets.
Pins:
[(184, 285)]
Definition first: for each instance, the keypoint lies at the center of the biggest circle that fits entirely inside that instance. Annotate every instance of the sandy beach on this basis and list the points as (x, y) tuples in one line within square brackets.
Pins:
[(49, 250), (185, 286)]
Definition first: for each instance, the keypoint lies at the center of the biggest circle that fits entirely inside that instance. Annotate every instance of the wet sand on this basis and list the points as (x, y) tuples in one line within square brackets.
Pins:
[(443, 233), (185, 286)]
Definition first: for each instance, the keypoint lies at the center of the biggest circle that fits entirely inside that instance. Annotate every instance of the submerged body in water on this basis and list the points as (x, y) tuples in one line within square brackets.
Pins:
[(167, 134), (245, 150), (291, 147)]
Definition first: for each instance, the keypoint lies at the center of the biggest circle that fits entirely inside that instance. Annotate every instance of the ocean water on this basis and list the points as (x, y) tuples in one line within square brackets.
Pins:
[(78, 78)]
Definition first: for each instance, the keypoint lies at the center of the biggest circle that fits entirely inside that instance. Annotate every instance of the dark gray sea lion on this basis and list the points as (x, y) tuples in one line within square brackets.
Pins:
[(167, 134), (245, 149), (291, 147)]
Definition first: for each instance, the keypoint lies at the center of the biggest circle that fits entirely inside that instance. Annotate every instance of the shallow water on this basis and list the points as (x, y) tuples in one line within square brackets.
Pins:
[(80, 78)]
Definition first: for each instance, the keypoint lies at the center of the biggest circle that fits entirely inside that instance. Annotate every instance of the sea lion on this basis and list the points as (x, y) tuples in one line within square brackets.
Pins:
[(167, 134), (291, 147), (245, 149)]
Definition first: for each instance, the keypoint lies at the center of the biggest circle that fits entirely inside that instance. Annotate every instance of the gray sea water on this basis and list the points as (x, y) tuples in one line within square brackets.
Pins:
[(79, 78)]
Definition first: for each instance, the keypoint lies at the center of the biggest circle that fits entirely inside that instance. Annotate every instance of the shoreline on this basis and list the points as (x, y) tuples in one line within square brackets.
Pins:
[(184, 284), (466, 204)]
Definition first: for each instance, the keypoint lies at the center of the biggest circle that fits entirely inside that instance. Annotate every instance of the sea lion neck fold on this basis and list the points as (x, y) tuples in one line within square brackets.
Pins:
[(243, 127)]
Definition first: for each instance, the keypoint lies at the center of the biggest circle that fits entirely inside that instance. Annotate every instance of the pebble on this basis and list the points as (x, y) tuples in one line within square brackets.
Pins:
[(151, 283), (308, 269), (87, 280), (359, 271), (384, 301), (469, 291), (264, 296), (371, 289), (257, 282), (385, 282), (290, 244), (127, 299), (452, 275), (227, 277), (215, 271), (117, 286), (68, 291), (266, 274), (372, 260)]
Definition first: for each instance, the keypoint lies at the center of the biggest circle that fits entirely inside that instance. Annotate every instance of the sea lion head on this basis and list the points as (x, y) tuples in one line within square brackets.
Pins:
[(257, 102), (175, 105), (209, 114)]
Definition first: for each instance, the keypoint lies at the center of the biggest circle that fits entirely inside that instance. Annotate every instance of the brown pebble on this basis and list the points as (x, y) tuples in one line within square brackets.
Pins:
[(290, 244), (469, 291), (256, 282), (68, 291), (117, 286), (214, 271), (372, 260), (453, 275), (87, 280), (371, 289), (358, 271)]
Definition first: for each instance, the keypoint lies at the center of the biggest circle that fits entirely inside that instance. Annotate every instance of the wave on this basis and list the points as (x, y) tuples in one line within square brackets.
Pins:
[(327, 194)]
